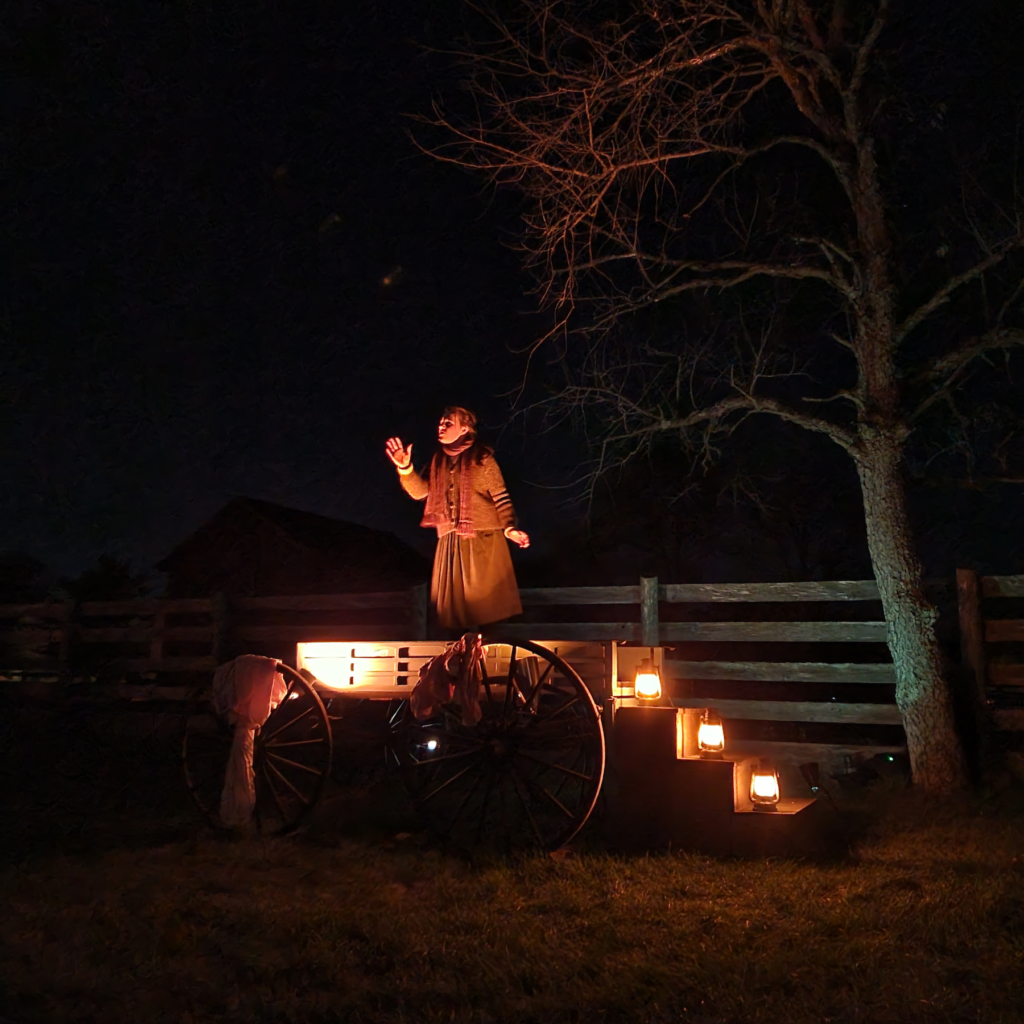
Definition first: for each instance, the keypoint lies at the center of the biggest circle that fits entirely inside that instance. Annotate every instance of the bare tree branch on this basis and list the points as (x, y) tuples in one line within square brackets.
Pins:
[(943, 295), (948, 369), (753, 404), (953, 362), (745, 271)]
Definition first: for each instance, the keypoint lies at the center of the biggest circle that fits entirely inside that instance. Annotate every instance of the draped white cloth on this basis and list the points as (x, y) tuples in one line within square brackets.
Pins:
[(245, 692)]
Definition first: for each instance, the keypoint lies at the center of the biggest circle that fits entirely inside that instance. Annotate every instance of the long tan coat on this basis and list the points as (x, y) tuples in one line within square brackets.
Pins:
[(473, 582)]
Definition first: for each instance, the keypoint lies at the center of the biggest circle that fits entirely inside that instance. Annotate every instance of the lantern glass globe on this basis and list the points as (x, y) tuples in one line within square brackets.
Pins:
[(764, 786), (648, 682), (711, 733)]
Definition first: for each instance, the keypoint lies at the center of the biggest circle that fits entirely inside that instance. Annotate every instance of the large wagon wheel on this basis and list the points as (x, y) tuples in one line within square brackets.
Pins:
[(528, 775), (291, 756)]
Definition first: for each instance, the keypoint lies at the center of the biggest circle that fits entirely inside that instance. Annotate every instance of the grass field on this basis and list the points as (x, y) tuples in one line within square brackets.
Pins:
[(118, 906)]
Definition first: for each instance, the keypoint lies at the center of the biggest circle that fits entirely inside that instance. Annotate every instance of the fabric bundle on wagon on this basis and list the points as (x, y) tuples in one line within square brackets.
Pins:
[(454, 675)]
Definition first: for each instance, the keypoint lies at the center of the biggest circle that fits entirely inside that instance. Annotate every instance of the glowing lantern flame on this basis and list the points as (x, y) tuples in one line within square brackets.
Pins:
[(648, 682), (764, 786), (711, 733)]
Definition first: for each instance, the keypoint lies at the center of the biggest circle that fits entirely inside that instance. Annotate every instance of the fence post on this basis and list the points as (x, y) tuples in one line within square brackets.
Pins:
[(68, 635), (221, 611), (156, 640), (649, 611), (419, 597), (972, 658), (972, 635)]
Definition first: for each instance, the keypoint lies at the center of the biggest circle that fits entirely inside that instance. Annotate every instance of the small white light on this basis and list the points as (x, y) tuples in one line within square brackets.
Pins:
[(293, 695), (431, 744)]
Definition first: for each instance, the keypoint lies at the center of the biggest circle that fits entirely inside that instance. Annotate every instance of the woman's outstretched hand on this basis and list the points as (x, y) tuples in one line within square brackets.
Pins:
[(520, 537), (398, 453)]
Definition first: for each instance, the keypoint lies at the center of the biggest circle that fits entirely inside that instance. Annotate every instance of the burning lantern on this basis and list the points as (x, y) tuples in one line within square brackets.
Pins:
[(711, 734), (764, 787), (648, 682)]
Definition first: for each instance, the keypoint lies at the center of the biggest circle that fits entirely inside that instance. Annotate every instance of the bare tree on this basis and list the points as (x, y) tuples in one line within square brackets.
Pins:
[(741, 151)]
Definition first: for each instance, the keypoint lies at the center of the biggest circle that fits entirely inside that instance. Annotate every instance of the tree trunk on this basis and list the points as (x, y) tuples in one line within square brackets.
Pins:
[(922, 690)]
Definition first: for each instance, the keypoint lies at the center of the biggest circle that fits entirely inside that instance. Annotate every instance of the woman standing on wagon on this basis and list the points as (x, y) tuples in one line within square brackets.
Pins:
[(473, 582)]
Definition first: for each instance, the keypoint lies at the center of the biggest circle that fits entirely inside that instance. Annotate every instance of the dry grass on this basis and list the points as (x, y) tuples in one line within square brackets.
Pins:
[(110, 921)]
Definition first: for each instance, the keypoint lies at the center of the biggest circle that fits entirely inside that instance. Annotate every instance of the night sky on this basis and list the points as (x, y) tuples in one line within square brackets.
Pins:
[(234, 274), (230, 272)]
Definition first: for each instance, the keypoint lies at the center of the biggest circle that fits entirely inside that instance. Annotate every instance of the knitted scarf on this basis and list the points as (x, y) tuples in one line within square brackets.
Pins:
[(435, 513)]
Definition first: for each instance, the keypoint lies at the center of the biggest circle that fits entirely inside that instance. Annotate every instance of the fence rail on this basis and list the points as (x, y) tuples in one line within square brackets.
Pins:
[(166, 636), (722, 647), (794, 703), (48, 635)]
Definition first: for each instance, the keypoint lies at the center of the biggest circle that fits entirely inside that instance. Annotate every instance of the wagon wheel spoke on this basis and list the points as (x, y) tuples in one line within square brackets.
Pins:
[(482, 816), (444, 785), (540, 682), (288, 782), (560, 745), (292, 764), (554, 766), (395, 716), (558, 711), (486, 680), (287, 725), (443, 731), (567, 779), (529, 813), (273, 792), (532, 786), (428, 762), (462, 804), (277, 744), (508, 682), (519, 690)]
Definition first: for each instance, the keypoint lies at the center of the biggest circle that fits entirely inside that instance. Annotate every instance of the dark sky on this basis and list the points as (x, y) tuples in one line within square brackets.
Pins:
[(203, 202), (207, 200)]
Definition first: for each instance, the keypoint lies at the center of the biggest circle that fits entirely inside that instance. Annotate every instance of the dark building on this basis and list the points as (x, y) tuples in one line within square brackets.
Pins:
[(254, 548)]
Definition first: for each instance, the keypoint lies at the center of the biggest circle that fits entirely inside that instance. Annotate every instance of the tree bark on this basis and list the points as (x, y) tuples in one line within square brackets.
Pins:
[(922, 690), (923, 693)]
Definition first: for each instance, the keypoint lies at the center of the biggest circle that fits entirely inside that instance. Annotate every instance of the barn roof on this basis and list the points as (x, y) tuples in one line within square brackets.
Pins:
[(337, 541), (321, 533)]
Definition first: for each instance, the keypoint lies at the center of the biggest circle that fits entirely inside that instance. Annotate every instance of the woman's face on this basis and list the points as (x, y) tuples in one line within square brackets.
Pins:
[(451, 429)]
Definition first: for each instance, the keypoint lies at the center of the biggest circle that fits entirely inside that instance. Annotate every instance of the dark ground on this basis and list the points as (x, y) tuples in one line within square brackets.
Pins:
[(121, 906)]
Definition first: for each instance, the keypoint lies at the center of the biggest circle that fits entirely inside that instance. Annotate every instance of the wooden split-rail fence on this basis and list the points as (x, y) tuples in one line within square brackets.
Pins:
[(802, 666), (991, 613)]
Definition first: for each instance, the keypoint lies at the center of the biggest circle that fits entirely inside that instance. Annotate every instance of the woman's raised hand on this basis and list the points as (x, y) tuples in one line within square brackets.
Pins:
[(398, 453)]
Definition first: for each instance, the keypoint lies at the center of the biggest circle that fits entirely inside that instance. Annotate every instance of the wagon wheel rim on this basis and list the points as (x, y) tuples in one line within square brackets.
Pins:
[(528, 775), (291, 757)]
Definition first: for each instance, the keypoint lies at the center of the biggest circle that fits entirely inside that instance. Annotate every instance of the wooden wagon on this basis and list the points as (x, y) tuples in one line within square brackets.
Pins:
[(527, 774)]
